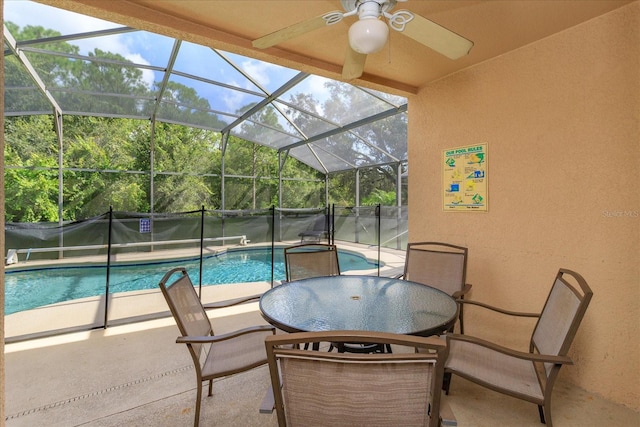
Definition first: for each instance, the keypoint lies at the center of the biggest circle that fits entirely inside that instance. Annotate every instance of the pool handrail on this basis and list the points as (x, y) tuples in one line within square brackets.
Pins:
[(12, 254)]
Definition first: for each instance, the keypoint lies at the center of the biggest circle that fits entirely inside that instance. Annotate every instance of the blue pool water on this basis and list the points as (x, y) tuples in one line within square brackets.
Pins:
[(31, 288)]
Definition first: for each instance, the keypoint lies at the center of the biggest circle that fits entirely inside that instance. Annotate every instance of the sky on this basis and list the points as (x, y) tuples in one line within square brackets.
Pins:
[(152, 49)]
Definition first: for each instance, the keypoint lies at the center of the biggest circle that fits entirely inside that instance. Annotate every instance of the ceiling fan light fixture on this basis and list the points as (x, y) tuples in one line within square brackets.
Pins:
[(368, 35)]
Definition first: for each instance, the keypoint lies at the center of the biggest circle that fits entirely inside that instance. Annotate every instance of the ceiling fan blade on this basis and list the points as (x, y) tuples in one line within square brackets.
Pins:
[(437, 37), (292, 31), (353, 64)]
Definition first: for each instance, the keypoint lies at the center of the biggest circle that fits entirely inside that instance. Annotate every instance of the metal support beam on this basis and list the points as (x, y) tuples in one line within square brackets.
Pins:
[(165, 77), (152, 161), (264, 90), (282, 89), (387, 113), (398, 205), (11, 43), (58, 125), (326, 190), (156, 108), (77, 36), (223, 154), (357, 204)]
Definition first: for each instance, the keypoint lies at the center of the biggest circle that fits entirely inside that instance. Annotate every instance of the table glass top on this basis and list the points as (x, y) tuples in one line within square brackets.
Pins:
[(358, 303)]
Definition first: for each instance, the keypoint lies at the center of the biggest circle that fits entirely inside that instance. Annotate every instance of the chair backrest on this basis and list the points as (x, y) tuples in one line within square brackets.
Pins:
[(187, 310), (311, 260), (319, 224), (562, 313), (439, 265), (319, 388)]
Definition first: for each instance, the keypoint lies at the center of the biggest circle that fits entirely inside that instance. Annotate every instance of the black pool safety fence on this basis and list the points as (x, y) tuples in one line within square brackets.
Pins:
[(57, 255)]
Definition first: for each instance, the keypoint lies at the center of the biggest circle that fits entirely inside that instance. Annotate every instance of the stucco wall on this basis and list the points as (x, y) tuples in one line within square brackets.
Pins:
[(560, 118)]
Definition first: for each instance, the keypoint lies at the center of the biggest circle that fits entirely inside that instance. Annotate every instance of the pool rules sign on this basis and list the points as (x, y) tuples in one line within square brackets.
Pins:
[(464, 178)]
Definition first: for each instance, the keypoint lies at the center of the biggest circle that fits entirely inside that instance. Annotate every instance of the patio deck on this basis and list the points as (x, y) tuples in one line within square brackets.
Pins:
[(136, 375)]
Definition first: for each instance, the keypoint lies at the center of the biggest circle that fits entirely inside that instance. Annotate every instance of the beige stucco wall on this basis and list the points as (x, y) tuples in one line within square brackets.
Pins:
[(560, 118)]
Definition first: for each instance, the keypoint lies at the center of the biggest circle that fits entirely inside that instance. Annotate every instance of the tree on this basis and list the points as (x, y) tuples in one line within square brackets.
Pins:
[(187, 167), (380, 197), (107, 161), (20, 91), (98, 156), (182, 104), (389, 136), (30, 190)]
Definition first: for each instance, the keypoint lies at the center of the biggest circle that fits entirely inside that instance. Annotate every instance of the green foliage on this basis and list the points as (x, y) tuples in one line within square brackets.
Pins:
[(380, 197), (31, 190), (113, 161)]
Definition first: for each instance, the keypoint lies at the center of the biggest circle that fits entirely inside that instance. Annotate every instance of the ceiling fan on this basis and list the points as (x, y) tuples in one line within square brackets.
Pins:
[(369, 34)]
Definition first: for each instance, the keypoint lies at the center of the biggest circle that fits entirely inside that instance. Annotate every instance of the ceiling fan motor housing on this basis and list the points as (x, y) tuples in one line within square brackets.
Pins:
[(383, 5), (369, 34)]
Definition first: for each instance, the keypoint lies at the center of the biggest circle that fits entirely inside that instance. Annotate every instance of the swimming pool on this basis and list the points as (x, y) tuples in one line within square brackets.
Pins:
[(30, 288)]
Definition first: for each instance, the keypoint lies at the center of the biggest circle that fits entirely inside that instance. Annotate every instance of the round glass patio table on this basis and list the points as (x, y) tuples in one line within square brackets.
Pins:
[(366, 303)]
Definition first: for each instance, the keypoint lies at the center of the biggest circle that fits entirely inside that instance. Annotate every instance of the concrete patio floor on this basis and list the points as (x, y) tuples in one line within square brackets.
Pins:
[(135, 375)]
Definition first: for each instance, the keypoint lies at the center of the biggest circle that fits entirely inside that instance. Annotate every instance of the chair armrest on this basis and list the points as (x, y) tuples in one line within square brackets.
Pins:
[(224, 337), (499, 310), (232, 302), (460, 294), (534, 357)]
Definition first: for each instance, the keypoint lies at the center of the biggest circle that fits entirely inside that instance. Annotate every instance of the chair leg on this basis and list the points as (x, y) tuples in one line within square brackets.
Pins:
[(196, 421), (545, 413), (541, 412), (210, 388), (446, 382)]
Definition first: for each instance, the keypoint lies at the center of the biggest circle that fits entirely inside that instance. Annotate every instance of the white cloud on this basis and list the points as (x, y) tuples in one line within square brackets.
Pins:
[(315, 85), (259, 71), (234, 100), (147, 75), (25, 13)]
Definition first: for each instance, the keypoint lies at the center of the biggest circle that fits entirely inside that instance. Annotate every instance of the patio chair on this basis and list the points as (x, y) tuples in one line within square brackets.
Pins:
[(319, 388), (311, 260), (214, 356), (439, 265), (314, 260), (316, 232), (525, 375)]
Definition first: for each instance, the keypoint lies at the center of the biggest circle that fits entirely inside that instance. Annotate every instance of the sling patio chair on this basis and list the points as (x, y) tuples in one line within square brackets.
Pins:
[(311, 260), (525, 375), (317, 231), (320, 388), (439, 265), (214, 356), (315, 260)]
